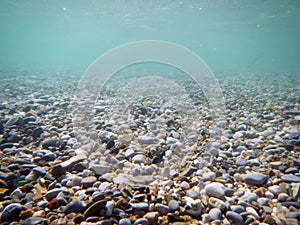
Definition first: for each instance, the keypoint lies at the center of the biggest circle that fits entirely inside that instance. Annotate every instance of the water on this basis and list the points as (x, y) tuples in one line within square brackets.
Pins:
[(239, 37)]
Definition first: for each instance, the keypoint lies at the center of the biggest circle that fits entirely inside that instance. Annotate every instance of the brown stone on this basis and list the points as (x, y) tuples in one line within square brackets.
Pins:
[(53, 204), (269, 220)]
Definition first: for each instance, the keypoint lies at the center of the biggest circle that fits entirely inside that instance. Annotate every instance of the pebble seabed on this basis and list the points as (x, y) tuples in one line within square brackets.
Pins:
[(127, 171)]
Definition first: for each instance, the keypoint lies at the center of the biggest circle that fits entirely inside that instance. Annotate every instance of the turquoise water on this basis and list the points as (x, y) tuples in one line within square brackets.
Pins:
[(239, 37)]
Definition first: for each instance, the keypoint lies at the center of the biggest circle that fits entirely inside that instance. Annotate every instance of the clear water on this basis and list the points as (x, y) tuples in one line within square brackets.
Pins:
[(239, 37)]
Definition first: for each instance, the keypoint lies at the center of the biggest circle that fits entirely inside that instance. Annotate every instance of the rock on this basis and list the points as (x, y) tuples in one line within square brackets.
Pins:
[(162, 209), (124, 221), (293, 215), (217, 203), (53, 204), (51, 143), (33, 221), (291, 178), (140, 206), (70, 163), (53, 193), (141, 221), (147, 140), (88, 181), (152, 217), (139, 158), (184, 185), (94, 209), (235, 218), (11, 213), (100, 169), (173, 205), (36, 133), (240, 162), (215, 214), (74, 206), (215, 190), (255, 178)]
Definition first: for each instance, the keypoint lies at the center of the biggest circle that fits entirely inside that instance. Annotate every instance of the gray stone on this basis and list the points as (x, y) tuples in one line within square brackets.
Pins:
[(141, 221), (255, 178), (88, 181), (147, 140), (290, 178), (125, 221), (140, 206), (215, 190), (162, 209), (215, 214), (100, 169), (70, 163), (173, 205), (53, 193), (139, 158)]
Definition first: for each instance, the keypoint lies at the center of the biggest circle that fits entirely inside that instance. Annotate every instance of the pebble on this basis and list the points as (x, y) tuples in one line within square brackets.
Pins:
[(11, 213), (139, 158), (235, 218), (88, 181), (124, 221), (290, 178), (173, 205), (255, 178), (162, 209), (215, 214), (215, 190), (147, 140), (74, 206)]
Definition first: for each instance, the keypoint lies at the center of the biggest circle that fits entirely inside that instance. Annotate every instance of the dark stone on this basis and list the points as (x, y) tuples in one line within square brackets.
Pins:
[(255, 178), (29, 119), (236, 218), (294, 204), (36, 133), (11, 213), (293, 215), (110, 144), (290, 178), (74, 206), (6, 145), (158, 157), (95, 208), (52, 143)]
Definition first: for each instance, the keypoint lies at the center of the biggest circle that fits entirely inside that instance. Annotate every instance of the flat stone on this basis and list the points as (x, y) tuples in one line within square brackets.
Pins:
[(217, 203), (94, 209), (33, 221), (88, 181), (147, 140), (290, 178), (139, 158), (100, 169), (255, 178), (140, 206), (51, 143), (53, 193), (215, 190), (73, 161), (235, 218)]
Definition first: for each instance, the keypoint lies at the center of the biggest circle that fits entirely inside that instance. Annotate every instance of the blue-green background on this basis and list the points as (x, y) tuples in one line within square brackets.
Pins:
[(240, 37)]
